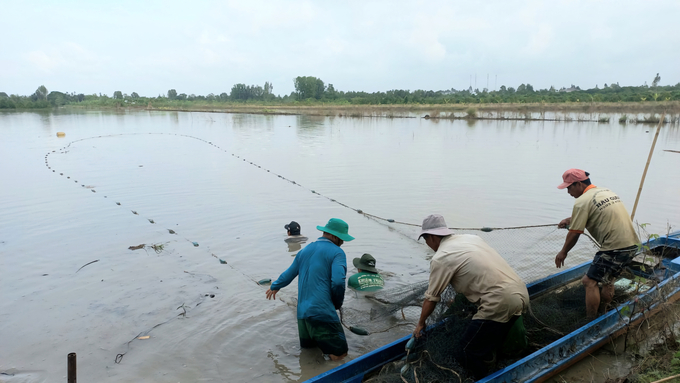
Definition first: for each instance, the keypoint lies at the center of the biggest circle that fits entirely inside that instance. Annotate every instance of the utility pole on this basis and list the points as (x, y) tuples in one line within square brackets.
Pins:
[(487, 81)]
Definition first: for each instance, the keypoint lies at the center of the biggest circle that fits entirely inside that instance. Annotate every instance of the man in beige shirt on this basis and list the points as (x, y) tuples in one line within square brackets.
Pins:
[(601, 212), (477, 271)]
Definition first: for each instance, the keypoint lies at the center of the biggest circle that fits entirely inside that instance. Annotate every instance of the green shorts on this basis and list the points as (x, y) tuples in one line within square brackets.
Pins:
[(328, 336)]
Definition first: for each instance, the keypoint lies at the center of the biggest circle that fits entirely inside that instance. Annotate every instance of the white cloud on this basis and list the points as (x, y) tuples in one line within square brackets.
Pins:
[(373, 45), (67, 56)]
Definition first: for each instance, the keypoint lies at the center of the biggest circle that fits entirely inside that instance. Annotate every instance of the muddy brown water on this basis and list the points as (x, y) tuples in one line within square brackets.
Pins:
[(177, 170)]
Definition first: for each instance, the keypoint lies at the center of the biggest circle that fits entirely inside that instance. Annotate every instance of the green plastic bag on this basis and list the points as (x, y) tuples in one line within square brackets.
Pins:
[(516, 340)]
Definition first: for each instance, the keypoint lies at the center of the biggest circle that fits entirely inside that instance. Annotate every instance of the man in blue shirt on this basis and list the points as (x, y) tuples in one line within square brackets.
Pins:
[(321, 268)]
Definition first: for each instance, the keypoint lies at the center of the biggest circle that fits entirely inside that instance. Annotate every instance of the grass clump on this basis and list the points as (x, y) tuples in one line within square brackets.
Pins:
[(660, 363), (623, 119), (471, 113), (603, 119)]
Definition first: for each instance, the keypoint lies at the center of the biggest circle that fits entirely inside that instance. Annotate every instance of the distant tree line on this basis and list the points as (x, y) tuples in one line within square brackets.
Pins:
[(312, 90)]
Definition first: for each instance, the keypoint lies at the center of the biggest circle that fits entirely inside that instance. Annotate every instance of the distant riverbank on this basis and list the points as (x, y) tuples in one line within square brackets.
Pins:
[(626, 112)]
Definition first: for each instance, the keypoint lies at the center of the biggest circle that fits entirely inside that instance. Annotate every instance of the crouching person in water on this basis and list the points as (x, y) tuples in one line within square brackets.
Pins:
[(321, 268), (477, 271), (367, 279)]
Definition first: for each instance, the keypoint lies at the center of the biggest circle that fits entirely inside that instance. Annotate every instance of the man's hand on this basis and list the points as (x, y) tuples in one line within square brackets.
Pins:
[(418, 332), (559, 259), (271, 294), (564, 223)]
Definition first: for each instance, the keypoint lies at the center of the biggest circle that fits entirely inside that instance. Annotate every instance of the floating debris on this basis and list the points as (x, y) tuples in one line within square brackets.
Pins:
[(144, 337), (134, 212), (360, 211), (358, 330), (171, 231), (486, 229), (390, 220), (158, 248), (89, 263), (264, 281), (93, 191), (138, 247), (151, 220), (195, 244), (222, 261), (117, 203)]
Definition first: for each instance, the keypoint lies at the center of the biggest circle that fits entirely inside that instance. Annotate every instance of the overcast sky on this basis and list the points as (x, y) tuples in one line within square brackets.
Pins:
[(203, 47)]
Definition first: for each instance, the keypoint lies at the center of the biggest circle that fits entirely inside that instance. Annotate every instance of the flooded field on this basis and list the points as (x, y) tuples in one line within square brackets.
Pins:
[(197, 188)]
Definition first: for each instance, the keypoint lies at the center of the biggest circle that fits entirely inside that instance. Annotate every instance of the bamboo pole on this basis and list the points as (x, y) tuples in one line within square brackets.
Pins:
[(667, 379), (71, 377), (649, 159)]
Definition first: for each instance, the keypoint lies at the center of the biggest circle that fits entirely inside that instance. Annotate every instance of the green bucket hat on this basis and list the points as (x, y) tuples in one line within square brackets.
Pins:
[(366, 262), (338, 228)]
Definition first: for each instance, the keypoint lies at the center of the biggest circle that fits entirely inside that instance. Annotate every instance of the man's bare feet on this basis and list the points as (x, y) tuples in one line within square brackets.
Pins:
[(335, 358)]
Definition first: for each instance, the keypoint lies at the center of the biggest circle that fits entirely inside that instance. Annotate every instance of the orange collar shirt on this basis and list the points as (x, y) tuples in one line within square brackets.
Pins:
[(601, 211)]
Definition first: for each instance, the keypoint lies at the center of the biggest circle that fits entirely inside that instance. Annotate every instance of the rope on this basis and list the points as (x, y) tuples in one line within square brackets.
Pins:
[(360, 211)]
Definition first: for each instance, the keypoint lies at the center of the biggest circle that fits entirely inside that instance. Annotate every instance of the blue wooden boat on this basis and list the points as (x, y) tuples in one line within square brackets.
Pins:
[(557, 356)]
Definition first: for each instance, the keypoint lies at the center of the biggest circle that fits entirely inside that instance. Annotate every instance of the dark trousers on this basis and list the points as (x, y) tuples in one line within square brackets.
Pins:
[(481, 340)]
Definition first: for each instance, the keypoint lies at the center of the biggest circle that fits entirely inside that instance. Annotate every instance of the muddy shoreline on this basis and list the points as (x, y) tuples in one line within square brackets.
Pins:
[(536, 111)]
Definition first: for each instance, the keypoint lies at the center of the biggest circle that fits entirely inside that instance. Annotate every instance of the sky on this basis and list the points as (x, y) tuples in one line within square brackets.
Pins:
[(201, 47)]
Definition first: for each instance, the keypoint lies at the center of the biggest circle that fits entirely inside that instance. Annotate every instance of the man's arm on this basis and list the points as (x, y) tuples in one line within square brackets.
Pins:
[(569, 243), (338, 274), (428, 308), (284, 279)]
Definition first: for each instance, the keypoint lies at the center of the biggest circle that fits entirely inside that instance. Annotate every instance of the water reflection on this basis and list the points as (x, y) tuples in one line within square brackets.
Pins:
[(475, 173), (310, 126)]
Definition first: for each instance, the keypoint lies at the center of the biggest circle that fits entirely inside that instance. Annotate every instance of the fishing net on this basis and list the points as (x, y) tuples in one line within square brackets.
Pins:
[(531, 252), (432, 359)]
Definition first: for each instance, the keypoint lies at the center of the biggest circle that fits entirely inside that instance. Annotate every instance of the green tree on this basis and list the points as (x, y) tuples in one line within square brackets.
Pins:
[(239, 92), (656, 80), (309, 87), (134, 95), (331, 93), (172, 94), (40, 93), (117, 95)]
